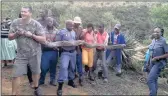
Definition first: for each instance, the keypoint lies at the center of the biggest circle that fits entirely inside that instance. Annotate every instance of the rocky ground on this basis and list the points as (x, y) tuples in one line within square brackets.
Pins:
[(128, 84)]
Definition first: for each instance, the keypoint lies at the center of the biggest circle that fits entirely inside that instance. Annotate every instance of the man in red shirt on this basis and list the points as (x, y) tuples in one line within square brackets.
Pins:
[(101, 38)]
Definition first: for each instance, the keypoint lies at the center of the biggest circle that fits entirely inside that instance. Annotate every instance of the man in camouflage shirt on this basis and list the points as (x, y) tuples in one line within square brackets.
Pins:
[(28, 34)]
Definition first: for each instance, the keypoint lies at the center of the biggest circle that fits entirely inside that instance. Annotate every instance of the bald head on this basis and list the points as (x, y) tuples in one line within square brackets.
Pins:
[(69, 25), (157, 30)]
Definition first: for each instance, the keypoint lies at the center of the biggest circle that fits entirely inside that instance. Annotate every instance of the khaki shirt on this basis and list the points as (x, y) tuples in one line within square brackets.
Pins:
[(27, 46)]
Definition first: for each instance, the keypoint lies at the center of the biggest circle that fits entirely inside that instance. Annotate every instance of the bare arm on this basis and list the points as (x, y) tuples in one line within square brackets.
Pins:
[(106, 40), (40, 39), (12, 36), (163, 56), (14, 31), (83, 34), (39, 35)]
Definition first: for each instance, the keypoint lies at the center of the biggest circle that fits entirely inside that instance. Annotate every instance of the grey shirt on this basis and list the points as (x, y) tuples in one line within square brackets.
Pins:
[(158, 48), (27, 46), (65, 35)]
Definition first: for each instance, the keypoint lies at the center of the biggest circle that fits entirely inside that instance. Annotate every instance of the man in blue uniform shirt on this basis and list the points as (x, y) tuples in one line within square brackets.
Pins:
[(68, 56)]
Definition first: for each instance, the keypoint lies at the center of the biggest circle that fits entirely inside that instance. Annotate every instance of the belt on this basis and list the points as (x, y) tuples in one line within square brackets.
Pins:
[(70, 51), (100, 49), (160, 60)]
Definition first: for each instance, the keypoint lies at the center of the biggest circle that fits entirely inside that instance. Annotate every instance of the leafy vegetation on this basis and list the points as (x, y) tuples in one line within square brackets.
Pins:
[(138, 20)]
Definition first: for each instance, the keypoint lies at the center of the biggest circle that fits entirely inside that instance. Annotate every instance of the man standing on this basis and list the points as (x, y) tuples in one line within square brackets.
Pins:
[(78, 31), (158, 51), (43, 18), (117, 38), (68, 56), (101, 38), (49, 55), (28, 34)]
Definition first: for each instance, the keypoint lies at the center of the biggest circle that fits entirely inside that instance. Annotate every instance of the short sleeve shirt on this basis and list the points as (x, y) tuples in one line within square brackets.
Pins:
[(27, 45), (89, 37), (50, 36), (158, 48), (65, 35)]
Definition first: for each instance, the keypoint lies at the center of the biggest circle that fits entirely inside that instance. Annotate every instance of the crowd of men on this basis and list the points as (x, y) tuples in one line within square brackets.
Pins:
[(35, 58)]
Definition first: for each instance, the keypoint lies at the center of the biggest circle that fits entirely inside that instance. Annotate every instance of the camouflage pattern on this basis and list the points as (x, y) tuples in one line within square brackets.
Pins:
[(27, 46)]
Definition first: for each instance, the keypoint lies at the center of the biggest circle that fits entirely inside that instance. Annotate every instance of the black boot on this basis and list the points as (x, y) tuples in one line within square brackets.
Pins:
[(71, 83), (86, 68), (80, 82), (59, 91), (90, 76), (5, 64), (100, 74)]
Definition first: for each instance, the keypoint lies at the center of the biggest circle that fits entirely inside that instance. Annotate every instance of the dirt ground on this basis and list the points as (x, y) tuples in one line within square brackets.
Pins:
[(128, 84)]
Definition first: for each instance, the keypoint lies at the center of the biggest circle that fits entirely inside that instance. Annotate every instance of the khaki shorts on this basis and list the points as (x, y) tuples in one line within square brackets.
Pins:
[(21, 62)]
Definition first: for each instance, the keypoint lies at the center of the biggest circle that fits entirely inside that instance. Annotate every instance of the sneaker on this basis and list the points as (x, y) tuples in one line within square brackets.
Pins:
[(38, 92), (31, 85), (59, 92), (105, 80), (53, 83)]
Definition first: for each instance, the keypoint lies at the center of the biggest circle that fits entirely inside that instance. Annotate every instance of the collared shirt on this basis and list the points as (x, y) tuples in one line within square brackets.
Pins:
[(89, 38), (27, 45), (65, 35), (115, 38), (158, 48), (51, 37), (102, 38)]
